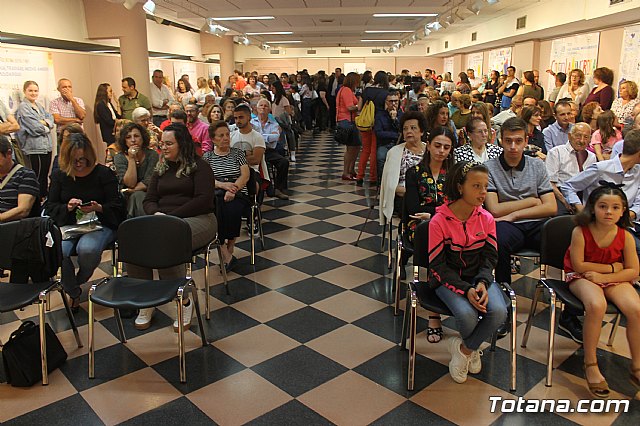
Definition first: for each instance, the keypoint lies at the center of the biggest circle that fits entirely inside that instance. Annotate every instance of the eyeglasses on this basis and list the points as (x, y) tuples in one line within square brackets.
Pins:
[(80, 160)]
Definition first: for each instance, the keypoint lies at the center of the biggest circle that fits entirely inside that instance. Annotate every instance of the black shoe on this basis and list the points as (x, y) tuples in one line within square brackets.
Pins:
[(359, 182), (571, 325), (504, 329)]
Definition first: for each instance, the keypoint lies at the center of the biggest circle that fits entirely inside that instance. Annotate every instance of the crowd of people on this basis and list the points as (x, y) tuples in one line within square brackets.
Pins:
[(478, 165)]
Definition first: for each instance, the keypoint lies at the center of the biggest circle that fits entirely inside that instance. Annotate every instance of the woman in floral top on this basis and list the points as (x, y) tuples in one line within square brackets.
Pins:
[(424, 192)]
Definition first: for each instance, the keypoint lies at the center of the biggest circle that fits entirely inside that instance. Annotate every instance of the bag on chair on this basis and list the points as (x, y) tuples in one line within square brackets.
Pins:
[(21, 355)]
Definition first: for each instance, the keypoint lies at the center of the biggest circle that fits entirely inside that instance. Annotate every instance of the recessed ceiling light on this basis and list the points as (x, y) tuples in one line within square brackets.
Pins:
[(372, 41), (243, 18), (273, 33), (387, 31), (284, 42), (403, 15)]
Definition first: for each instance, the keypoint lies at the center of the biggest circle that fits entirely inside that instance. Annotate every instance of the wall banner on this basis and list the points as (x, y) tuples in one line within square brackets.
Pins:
[(499, 59), (580, 51), (18, 66), (474, 62)]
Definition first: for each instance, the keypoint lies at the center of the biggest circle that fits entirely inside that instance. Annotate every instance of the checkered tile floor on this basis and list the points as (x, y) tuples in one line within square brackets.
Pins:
[(307, 336)]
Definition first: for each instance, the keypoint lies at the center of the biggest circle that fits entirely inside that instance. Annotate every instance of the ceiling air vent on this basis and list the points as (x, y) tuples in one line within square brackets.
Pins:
[(446, 44), (474, 36), (345, 51), (311, 52), (274, 52), (521, 22), (375, 50), (326, 21)]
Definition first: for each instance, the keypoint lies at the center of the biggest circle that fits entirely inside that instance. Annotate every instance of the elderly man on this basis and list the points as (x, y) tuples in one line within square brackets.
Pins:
[(131, 98), (173, 107), (513, 111), (566, 161), (160, 98), (66, 108), (270, 130), (557, 133), (199, 129)]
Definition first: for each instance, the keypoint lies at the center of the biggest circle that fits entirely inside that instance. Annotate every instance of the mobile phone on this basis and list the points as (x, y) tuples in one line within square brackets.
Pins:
[(88, 203)]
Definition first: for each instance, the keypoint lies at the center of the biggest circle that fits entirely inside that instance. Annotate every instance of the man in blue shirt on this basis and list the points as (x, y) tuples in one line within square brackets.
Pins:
[(387, 127), (270, 130), (558, 133)]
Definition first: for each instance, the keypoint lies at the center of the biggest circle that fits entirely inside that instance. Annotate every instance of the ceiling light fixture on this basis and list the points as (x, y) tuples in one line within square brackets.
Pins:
[(243, 18), (427, 31), (376, 40), (273, 33), (492, 1), (386, 31), (149, 7), (130, 4), (403, 15), (285, 42), (475, 7), (435, 26), (211, 27)]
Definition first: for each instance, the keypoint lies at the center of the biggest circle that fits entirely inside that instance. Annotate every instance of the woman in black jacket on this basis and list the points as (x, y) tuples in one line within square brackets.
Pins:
[(104, 113)]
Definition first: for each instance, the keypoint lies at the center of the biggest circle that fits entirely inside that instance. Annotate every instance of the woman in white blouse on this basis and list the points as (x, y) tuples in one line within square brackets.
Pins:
[(575, 88), (623, 106)]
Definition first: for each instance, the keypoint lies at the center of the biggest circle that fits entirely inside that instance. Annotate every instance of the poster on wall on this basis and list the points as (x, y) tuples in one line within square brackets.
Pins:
[(474, 62), (189, 68), (500, 59), (567, 53), (18, 66), (358, 67), (213, 70), (630, 55), (447, 65)]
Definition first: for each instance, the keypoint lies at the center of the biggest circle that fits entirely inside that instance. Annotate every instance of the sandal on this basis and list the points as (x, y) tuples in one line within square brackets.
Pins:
[(634, 379), (599, 390), (434, 334), (515, 265)]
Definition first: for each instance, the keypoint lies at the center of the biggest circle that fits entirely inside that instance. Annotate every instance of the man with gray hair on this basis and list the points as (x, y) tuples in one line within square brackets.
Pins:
[(160, 98), (66, 108)]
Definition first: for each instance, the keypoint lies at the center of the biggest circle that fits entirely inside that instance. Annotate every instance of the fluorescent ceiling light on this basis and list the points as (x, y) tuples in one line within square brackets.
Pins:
[(284, 42), (387, 31), (149, 7), (273, 33), (373, 41), (403, 15), (243, 18), (492, 1)]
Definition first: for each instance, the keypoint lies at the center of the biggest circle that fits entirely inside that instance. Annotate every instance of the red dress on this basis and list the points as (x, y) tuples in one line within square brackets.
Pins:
[(613, 253)]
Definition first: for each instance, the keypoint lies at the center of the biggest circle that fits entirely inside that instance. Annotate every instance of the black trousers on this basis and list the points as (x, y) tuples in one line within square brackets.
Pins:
[(332, 111), (307, 113), (230, 215), (273, 157), (40, 164)]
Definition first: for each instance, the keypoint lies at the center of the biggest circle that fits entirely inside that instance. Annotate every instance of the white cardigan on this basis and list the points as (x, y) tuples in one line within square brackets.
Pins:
[(390, 179)]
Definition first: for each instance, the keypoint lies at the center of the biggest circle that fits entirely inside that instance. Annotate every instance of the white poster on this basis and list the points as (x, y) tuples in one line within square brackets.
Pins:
[(630, 55), (18, 66), (474, 62), (580, 51), (499, 60), (448, 65), (358, 67), (183, 67)]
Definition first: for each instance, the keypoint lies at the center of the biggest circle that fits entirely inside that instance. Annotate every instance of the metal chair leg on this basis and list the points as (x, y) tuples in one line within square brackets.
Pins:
[(552, 334), (412, 340), (396, 277), (72, 320), (405, 319), (390, 248), (252, 234), (512, 296), (206, 279), (260, 231), (223, 271), (199, 316), (384, 236), (534, 305), (116, 314), (183, 368), (614, 330), (91, 330), (43, 339)]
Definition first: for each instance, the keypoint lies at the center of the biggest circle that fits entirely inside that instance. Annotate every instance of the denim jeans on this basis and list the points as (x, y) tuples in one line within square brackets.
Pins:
[(88, 248), (381, 155), (474, 330)]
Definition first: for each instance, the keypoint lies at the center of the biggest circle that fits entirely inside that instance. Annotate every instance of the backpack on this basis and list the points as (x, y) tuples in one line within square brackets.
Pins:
[(366, 119)]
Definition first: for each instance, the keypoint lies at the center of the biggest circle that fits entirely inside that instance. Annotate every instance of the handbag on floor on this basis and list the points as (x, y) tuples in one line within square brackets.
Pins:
[(21, 354)]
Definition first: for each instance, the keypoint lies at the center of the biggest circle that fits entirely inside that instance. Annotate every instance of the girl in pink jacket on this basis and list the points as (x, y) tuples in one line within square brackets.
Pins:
[(462, 255)]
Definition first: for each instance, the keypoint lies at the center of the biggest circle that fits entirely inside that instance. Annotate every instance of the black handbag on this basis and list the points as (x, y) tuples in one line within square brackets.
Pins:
[(344, 133), (21, 355)]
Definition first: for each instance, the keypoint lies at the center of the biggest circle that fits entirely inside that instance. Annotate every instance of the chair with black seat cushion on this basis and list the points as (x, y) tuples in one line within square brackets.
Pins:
[(15, 296), (155, 242), (404, 248), (556, 239), (420, 293), (256, 194)]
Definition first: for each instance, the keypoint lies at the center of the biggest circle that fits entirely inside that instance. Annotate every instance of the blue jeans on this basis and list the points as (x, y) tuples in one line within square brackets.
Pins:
[(474, 330), (88, 248), (381, 156)]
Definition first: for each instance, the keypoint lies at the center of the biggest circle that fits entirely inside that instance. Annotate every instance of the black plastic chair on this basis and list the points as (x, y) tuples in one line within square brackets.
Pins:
[(255, 214), (403, 247), (15, 296), (420, 293), (158, 242), (556, 238)]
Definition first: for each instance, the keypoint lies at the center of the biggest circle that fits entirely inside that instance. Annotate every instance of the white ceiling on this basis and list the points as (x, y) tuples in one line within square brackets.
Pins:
[(329, 23)]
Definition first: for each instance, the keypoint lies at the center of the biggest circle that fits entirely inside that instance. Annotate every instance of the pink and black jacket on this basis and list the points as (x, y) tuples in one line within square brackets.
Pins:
[(461, 254)]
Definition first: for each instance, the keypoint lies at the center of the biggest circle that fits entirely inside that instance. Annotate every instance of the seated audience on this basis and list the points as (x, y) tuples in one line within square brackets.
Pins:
[(603, 139), (231, 176), (633, 125), (533, 117), (82, 189), (558, 133), (566, 161), (600, 265), (142, 117), (575, 89), (590, 113), (269, 128), (477, 149), (199, 129), (602, 91), (246, 138), (547, 114), (462, 256), (181, 186), (19, 192), (437, 115), (216, 113), (623, 106), (387, 128), (462, 115), (560, 80), (134, 164), (514, 109), (173, 107)]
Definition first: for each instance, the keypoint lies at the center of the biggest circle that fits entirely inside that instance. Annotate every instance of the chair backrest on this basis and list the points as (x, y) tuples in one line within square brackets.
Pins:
[(158, 241), (421, 245), (556, 238)]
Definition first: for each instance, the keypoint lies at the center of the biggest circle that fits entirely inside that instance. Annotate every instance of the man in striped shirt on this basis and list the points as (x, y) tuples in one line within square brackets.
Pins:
[(18, 190)]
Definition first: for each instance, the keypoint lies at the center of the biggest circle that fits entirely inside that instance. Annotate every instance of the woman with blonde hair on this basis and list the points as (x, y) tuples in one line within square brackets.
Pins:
[(202, 91), (623, 106), (575, 88)]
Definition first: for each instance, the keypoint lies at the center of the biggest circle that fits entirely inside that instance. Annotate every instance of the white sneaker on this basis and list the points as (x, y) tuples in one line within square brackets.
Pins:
[(475, 363), (459, 364), (293, 157), (187, 314), (143, 321)]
